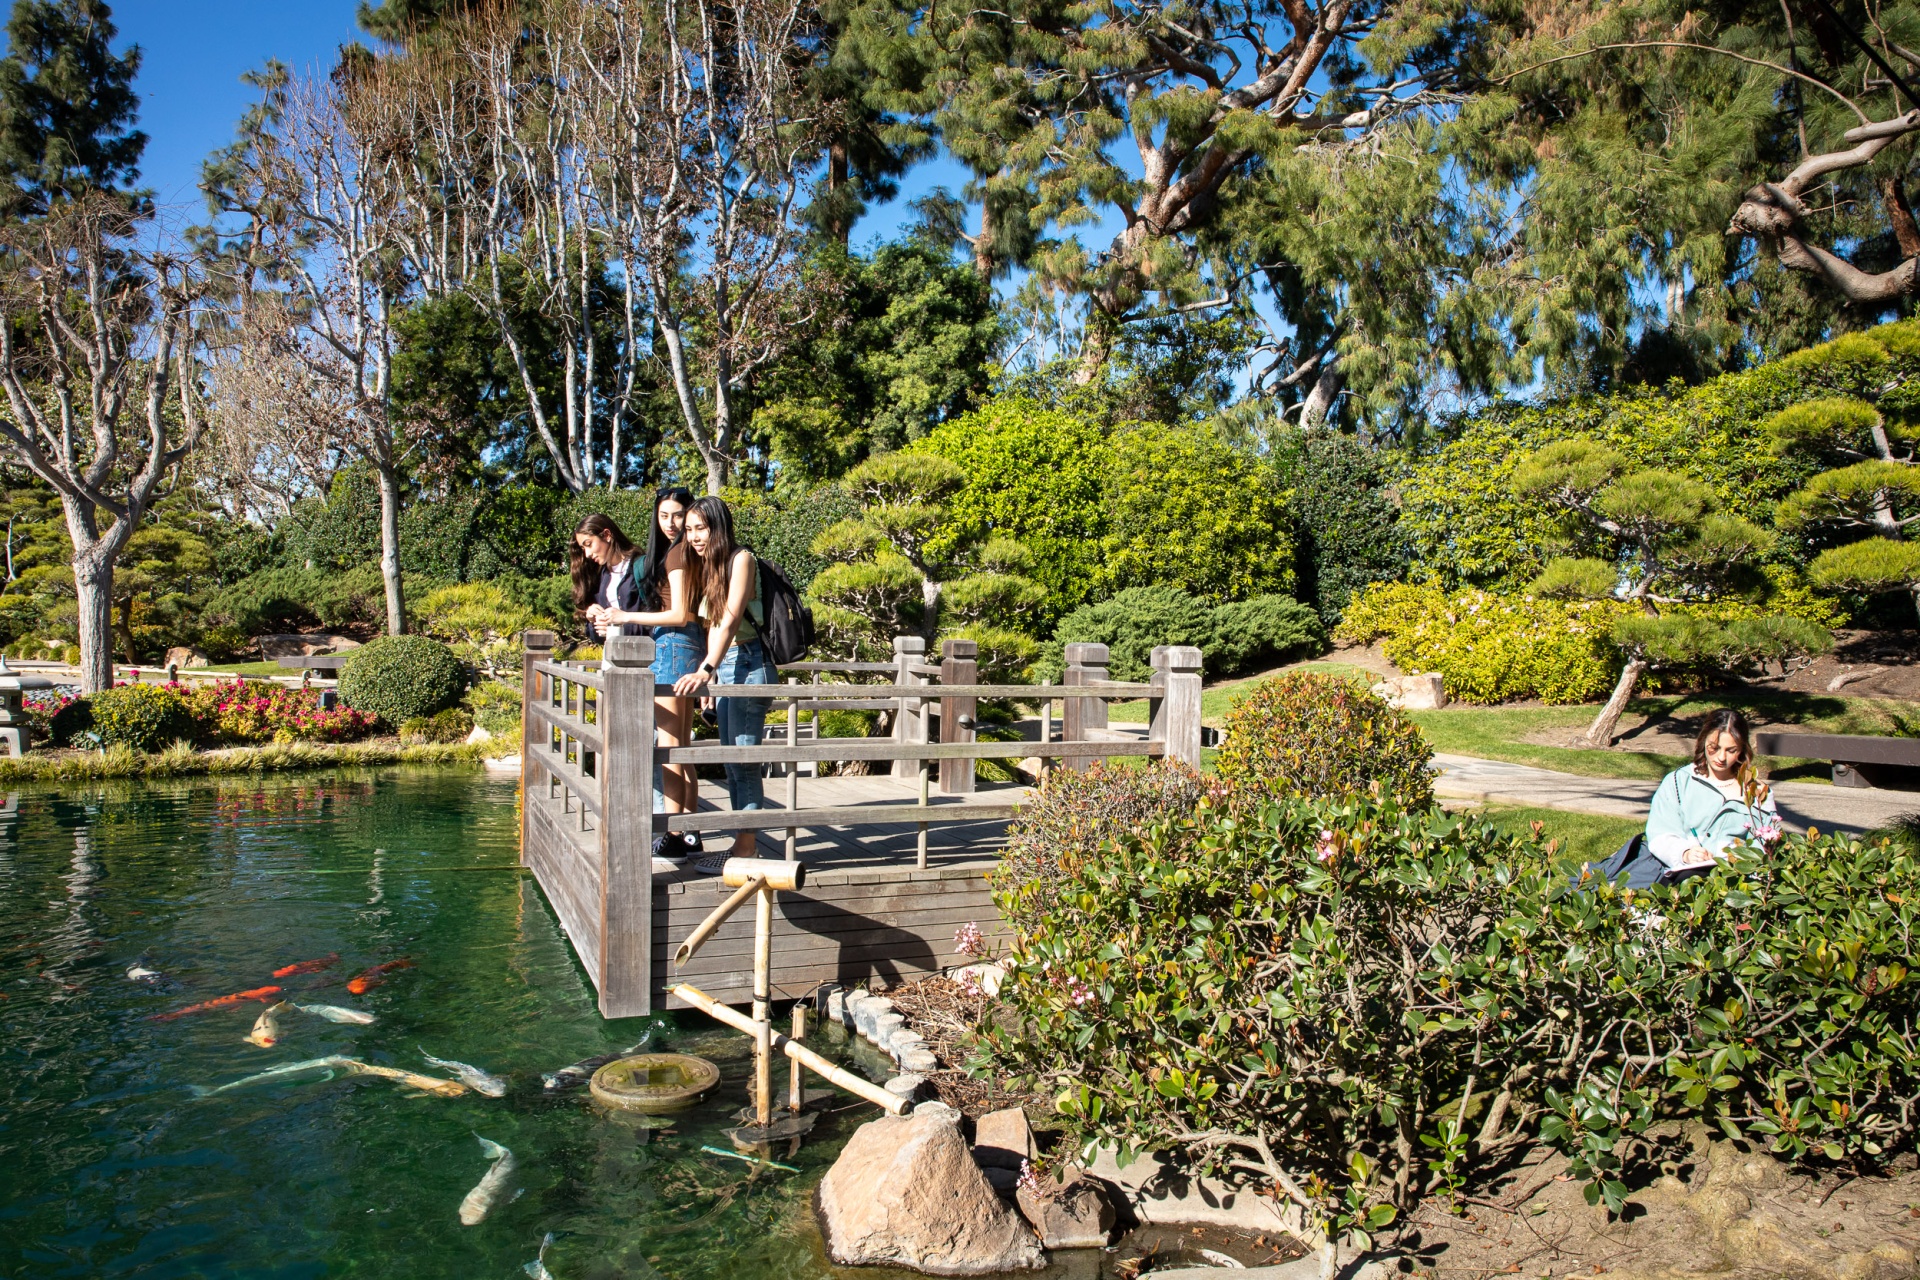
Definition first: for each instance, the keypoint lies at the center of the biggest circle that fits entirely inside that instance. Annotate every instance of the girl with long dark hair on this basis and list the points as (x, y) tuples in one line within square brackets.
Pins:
[(1702, 808), (658, 601), (727, 590)]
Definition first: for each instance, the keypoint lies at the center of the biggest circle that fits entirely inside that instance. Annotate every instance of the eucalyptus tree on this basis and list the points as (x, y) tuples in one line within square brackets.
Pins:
[(316, 277), (99, 362)]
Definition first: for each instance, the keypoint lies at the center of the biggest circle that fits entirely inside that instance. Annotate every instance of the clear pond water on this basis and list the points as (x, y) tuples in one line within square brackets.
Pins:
[(109, 1166)]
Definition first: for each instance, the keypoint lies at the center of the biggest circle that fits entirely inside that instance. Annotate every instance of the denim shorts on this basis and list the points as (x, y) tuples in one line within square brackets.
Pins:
[(676, 652)]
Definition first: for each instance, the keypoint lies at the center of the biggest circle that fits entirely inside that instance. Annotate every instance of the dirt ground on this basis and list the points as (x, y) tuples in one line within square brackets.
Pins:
[(1724, 1213)]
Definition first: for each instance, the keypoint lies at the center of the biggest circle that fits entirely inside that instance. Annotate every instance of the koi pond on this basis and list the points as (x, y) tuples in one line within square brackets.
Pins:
[(394, 894)]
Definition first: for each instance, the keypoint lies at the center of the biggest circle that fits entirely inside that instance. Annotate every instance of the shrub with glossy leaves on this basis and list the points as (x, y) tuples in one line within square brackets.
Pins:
[(396, 678), (1319, 735), (146, 717), (1373, 1003)]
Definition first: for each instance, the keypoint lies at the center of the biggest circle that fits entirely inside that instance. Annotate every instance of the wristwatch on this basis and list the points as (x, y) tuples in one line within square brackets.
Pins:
[(708, 668)]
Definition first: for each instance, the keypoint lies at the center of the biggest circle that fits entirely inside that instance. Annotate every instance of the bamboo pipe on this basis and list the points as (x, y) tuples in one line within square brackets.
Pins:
[(715, 919), (763, 1008), (890, 1103), (796, 1092)]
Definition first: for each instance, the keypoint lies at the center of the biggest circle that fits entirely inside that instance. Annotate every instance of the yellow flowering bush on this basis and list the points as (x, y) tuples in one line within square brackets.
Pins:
[(1491, 647)]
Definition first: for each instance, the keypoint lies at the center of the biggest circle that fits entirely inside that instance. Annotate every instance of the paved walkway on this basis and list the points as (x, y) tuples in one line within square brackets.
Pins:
[(1801, 804)]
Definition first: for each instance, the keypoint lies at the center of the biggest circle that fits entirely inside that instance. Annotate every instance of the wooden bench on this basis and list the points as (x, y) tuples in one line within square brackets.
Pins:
[(328, 663), (1859, 760)]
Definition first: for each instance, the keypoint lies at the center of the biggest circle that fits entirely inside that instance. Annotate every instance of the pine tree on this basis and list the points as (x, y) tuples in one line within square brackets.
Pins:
[(1870, 496), (66, 105), (1669, 545)]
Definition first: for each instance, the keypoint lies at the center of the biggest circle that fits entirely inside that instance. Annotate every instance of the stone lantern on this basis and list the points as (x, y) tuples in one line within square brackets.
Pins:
[(13, 722)]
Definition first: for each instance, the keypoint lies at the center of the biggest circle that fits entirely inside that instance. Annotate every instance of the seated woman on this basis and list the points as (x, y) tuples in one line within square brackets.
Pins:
[(1701, 809)]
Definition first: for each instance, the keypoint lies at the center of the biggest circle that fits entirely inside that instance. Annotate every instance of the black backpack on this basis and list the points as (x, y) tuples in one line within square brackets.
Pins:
[(786, 624)]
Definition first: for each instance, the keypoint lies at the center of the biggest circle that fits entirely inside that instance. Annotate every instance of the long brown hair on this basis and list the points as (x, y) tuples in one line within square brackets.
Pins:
[(712, 568), (1724, 720), (586, 574)]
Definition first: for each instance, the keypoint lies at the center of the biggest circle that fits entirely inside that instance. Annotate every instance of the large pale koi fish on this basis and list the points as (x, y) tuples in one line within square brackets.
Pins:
[(480, 1200), (334, 1013), (482, 1082)]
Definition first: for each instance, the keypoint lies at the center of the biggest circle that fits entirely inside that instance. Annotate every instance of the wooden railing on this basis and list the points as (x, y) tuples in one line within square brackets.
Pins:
[(588, 753)]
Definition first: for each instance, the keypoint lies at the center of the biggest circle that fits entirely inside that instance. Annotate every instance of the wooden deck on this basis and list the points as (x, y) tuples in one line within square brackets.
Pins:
[(867, 910), (893, 868)]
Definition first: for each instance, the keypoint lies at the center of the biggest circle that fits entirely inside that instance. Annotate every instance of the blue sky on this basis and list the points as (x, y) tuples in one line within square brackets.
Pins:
[(189, 85), (193, 55)]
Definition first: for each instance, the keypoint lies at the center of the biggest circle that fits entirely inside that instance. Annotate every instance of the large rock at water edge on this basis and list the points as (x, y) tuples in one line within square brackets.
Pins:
[(1075, 1214), (905, 1192), (1003, 1139)]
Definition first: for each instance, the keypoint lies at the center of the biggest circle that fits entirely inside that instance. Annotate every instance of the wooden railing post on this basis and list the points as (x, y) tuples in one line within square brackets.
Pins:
[(626, 830), (1174, 715), (910, 721), (959, 664), (1086, 664), (539, 648)]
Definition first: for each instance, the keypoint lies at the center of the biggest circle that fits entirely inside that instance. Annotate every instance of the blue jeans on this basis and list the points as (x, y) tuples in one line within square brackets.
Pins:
[(743, 721), (676, 652)]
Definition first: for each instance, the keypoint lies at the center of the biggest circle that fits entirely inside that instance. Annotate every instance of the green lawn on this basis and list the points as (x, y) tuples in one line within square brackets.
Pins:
[(249, 669), (1583, 837), (1500, 733)]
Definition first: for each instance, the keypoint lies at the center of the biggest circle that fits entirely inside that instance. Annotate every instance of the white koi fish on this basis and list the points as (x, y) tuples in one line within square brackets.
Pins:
[(334, 1013), (412, 1079), (139, 973), (538, 1267), (329, 1064), (481, 1082), (479, 1201)]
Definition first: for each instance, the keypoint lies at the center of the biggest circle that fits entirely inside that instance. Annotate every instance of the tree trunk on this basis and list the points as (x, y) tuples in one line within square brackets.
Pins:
[(1326, 390), (93, 584), (983, 247), (125, 630), (1601, 733), (390, 550)]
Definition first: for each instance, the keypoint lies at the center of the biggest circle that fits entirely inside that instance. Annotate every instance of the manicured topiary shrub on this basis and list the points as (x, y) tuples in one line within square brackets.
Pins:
[(1319, 735), (1370, 1004), (146, 717), (1076, 812), (400, 677)]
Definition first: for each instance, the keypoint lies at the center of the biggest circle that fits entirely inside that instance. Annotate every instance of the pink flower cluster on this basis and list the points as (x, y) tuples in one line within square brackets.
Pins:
[(968, 941), (239, 711)]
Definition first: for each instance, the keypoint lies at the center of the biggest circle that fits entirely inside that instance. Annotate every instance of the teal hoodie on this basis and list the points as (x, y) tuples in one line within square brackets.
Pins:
[(1688, 810)]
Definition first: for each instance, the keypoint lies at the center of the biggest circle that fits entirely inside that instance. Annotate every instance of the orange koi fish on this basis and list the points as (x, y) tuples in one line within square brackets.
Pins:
[(365, 982), (308, 966), (238, 997)]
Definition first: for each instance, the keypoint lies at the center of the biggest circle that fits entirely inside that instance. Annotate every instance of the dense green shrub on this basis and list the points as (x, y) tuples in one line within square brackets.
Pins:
[(1498, 648), (1492, 648), (1187, 509), (1132, 623), (1250, 635), (1372, 1003), (1073, 814), (495, 705), (1347, 525), (1320, 735), (399, 677), (69, 721), (290, 598), (146, 717), (1035, 475), (450, 725), (1233, 638), (781, 527)]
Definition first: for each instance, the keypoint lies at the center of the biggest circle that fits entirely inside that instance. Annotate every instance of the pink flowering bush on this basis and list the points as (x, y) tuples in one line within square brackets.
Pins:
[(239, 711)]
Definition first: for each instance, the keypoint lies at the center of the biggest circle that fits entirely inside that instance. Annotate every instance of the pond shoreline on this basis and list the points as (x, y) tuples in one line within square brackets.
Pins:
[(122, 762)]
